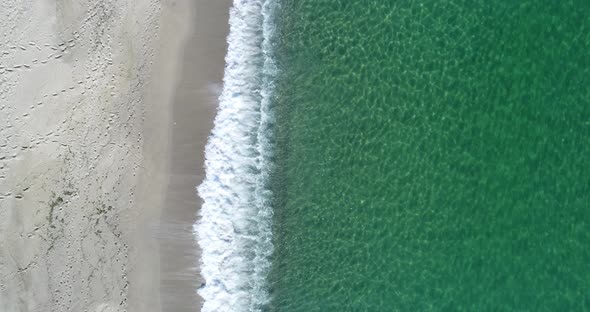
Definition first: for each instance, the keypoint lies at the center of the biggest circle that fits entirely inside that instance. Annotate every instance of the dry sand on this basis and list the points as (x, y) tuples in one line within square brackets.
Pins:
[(86, 113)]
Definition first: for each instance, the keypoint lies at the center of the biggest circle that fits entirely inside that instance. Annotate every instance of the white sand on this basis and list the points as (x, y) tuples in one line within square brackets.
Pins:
[(85, 89)]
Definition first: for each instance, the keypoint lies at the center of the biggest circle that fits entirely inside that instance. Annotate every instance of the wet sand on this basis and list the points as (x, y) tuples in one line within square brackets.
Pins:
[(193, 109)]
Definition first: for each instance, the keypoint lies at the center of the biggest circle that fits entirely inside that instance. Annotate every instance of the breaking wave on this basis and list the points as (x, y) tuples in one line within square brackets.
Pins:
[(234, 229)]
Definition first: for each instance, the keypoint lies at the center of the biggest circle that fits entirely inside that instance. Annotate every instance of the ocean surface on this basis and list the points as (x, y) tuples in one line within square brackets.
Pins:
[(400, 156)]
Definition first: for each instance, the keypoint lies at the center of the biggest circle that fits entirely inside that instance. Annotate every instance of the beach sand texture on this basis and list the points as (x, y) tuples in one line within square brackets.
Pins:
[(86, 91), (196, 92)]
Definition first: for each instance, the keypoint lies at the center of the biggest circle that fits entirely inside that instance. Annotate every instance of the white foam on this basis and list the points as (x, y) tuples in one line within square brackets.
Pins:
[(234, 230)]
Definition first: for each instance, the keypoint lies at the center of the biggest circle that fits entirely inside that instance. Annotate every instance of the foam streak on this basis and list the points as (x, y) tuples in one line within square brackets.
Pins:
[(234, 230)]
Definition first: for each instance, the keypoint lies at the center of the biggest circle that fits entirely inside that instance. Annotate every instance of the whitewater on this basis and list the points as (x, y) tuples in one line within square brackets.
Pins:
[(234, 227)]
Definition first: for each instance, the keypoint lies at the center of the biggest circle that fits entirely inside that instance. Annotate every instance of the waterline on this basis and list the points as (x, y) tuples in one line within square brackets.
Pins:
[(234, 230)]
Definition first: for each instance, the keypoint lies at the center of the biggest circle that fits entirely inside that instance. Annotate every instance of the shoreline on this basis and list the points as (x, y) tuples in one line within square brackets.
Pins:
[(192, 110), (171, 32), (234, 231)]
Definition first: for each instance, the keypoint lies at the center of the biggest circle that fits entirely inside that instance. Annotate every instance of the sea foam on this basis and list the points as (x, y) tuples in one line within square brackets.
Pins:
[(234, 228)]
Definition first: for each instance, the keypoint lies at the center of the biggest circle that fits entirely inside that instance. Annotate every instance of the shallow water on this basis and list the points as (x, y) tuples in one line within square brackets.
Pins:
[(432, 156)]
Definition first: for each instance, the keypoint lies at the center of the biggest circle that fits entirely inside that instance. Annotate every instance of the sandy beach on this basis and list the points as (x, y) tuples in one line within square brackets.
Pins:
[(104, 110), (193, 109)]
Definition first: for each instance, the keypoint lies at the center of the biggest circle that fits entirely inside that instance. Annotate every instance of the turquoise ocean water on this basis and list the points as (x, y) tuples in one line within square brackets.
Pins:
[(431, 156)]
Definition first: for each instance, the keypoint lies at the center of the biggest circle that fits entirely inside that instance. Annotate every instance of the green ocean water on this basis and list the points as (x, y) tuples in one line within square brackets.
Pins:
[(432, 156)]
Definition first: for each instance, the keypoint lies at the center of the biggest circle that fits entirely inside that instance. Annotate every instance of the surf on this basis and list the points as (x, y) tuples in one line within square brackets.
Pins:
[(234, 226)]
